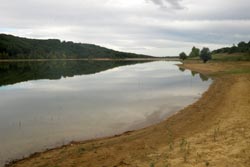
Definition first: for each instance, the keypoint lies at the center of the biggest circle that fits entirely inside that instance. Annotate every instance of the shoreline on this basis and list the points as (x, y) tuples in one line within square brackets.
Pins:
[(158, 141), (91, 59)]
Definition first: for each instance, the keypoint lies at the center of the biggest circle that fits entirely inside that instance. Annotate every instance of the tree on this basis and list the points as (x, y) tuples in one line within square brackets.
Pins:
[(183, 55), (233, 49), (205, 54), (195, 52), (12, 47), (242, 44)]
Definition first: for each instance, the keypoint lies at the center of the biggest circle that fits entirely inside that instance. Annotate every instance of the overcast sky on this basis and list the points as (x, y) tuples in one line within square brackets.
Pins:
[(153, 27)]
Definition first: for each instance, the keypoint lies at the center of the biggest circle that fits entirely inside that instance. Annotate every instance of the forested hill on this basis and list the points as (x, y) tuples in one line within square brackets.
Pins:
[(242, 47), (12, 47)]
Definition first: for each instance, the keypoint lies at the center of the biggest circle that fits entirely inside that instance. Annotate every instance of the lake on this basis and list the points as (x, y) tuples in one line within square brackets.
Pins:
[(48, 104)]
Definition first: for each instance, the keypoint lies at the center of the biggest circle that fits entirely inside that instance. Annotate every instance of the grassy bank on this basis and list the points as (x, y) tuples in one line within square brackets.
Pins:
[(214, 131), (232, 56)]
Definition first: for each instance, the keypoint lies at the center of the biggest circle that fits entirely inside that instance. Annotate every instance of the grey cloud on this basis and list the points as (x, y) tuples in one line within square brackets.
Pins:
[(175, 4), (130, 25)]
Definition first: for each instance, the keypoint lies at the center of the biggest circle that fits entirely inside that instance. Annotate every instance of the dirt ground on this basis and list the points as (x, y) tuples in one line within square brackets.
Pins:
[(214, 131)]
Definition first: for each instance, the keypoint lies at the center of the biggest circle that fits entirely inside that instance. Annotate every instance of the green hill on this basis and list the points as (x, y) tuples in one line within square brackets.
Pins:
[(241, 52), (12, 47), (241, 47)]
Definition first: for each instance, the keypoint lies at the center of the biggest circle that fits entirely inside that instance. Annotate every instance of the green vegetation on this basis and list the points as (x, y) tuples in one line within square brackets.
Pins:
[(232, 56), (185, 149), (239, 71), (152, 165), (183, 55), (216, 133), (242, 47), (195, 52), (205, 55), (12, 47), (241, 52), (170, 139), (81, 150)]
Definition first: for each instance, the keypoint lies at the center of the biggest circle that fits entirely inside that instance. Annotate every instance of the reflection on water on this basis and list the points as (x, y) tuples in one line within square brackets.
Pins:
[(182, 69), (194, 73), (15, 72), (202, 76), (42, 113)]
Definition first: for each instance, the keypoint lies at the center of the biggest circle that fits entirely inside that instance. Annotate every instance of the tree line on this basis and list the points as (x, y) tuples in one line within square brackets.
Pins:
[(205, 54), (12, 47), (241, 47)]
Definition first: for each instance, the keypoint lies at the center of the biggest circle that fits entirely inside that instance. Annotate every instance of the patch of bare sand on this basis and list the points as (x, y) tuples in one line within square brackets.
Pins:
[(214, 131)]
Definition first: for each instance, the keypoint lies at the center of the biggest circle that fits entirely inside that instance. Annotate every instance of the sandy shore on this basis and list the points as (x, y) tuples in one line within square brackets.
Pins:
[(214, 131)]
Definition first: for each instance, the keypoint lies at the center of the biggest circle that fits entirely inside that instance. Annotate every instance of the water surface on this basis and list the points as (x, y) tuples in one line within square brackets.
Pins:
[(47, 104)]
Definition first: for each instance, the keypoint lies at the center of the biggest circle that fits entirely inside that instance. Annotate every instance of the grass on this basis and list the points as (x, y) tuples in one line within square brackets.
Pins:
[(232, 57), (183, 144), (170, 139), (238, 71), (152, 165), (167, 165), (81, 150), (185, 149), (216, 133)]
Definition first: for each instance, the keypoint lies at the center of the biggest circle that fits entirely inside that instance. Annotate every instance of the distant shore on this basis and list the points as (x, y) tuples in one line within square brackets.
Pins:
[(214, 131), (94, 59)]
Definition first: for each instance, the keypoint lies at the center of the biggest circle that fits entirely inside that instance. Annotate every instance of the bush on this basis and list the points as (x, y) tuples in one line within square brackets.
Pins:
[(205, 55), (183, 56)]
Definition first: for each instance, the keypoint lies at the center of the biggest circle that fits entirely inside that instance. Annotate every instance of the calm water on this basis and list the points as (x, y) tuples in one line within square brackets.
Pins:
[(47, 104)]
